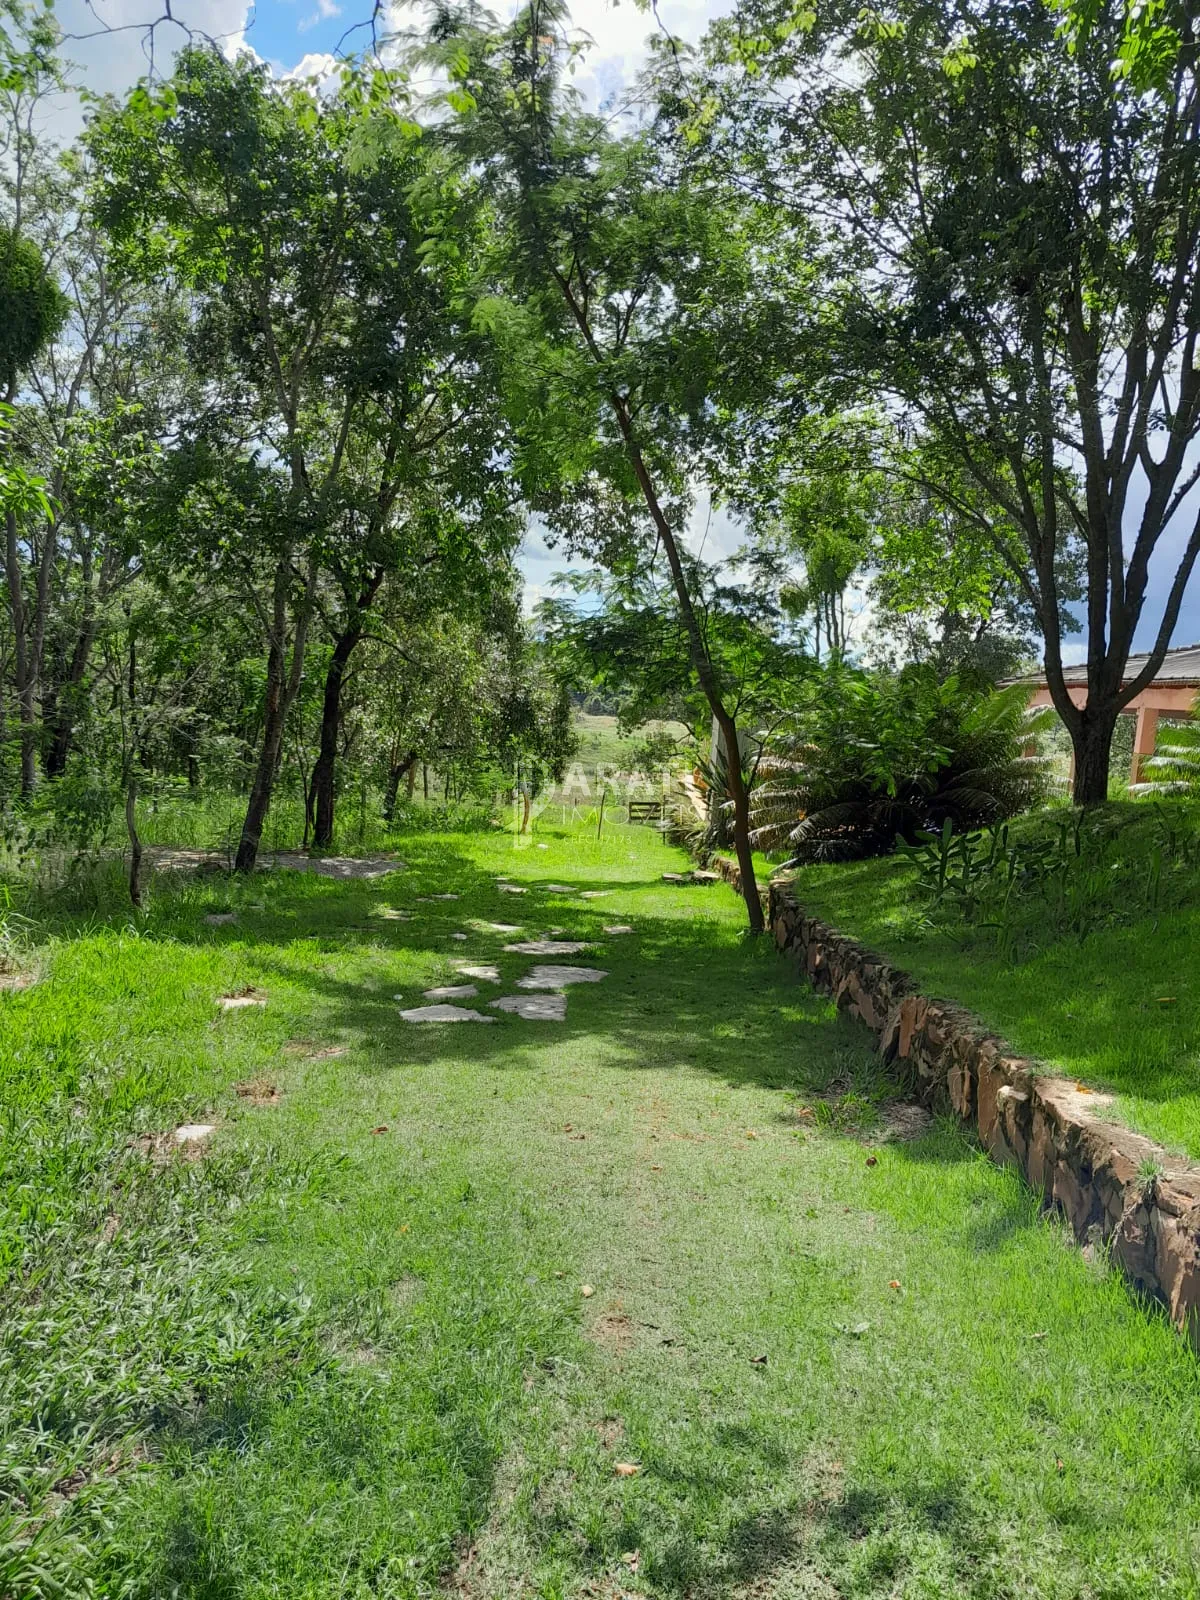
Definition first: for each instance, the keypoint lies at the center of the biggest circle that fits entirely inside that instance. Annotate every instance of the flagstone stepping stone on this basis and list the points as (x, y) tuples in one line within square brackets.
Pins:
[(510, 888), (220, 919), (534, 1007), (705, 876), (194, 1132), (452, 991), (238, 1002), (484, 971), (559, 977), (447, 896), (594, 894), (619, 927), (559, 888), (443, 1013), (390, 914), (458, 936), (548, 947), (674, 877)]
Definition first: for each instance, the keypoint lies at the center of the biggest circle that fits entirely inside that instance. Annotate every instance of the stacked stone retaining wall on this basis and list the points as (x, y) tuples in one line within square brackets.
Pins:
[(1115, 1187)]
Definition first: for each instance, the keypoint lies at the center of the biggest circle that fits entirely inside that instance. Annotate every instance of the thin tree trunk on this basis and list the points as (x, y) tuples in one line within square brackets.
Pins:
[(703, 667), (281, 691), (135, 842), (322, 790), (23, 682), (398, 770), (62, 723)]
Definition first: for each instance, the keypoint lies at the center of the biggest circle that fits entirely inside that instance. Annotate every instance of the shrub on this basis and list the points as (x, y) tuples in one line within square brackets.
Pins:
[(869, 757)]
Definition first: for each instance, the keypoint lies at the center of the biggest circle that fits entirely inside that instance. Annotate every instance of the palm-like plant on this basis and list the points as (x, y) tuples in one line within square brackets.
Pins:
[(1176, 761), (872, 757)]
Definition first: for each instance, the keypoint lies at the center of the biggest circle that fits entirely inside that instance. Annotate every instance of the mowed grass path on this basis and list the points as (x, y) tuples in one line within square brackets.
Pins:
[(349, 1353)]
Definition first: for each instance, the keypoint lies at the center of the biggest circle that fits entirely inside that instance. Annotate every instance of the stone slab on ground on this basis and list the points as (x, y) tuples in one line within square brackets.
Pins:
[(595, 894), (551, 977), (444, 1013), (619, 927), (485, 971), (391, 914), (510, 888), (557, 888), (194, 1132), (452, 991), (534, 1007), (548, 947)]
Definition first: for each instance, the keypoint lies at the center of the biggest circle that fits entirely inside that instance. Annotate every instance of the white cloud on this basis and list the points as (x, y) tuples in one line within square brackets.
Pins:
[(325, 10)]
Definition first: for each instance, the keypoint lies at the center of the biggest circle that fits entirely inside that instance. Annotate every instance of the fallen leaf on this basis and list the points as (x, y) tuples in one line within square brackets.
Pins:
[(758, 1361), (1037, 1335), (382, 1128), (654, 1167), (1167, 1000), (632, 1560), (872, 1161), (750, 1133), (1060, 1464), (894, 1283), (1082, 1088), (586, 1291), (404, 1227), (626, 1469)]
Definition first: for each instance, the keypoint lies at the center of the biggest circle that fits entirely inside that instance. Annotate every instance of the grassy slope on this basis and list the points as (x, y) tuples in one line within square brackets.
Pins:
[(326, 1361), (1093, 1010)]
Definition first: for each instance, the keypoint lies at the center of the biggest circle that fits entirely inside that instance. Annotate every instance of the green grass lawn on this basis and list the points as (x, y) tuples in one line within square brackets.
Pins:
[(1118, 1009), (351, 1351)]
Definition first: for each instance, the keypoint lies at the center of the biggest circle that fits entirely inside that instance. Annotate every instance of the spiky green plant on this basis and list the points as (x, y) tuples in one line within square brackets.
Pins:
[(870, 757)]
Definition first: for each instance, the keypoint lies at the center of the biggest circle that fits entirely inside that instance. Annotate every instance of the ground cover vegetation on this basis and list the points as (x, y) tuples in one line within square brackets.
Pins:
[(646, 1282), (412, 1315)]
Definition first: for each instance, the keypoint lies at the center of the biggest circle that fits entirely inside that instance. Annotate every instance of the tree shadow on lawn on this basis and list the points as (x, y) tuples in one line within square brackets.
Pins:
[(684, 992)]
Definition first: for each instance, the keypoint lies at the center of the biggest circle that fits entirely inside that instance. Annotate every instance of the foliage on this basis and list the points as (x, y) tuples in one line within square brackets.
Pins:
[(867, 758), (1175, 764), (32, 306), (978, 283)]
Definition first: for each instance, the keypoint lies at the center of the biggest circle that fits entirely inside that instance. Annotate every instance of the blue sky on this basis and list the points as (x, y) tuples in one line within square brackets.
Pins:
[(301, 36)]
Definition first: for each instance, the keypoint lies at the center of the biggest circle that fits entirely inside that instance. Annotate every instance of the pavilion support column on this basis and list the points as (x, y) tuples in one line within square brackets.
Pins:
[(1145, 737)]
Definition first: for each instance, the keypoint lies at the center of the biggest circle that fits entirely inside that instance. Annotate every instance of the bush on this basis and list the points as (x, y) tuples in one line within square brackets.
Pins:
[(869, 757)]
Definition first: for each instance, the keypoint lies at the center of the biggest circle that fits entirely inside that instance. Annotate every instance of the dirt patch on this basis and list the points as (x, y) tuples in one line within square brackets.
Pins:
[(311, 1051), (242, 999), (257, 1093), (14, 982), (903, 1120), (613, 1330), (610, 1431), (406, 1291)]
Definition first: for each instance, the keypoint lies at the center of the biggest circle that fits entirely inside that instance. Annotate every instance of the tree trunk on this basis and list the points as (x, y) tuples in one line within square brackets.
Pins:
[(322, 790), (697, 648), (397, 771), (23, 679), (703, 667), (1092, 746), (280, 693), (135, 842), (62, 722)]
